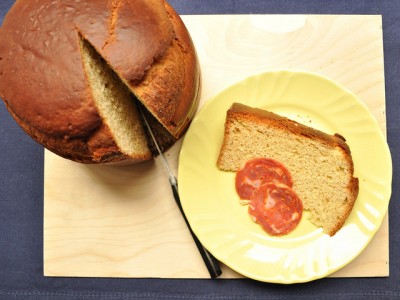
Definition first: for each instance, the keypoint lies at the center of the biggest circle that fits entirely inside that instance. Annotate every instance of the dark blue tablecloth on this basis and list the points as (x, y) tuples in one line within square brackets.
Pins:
[(21, 192)]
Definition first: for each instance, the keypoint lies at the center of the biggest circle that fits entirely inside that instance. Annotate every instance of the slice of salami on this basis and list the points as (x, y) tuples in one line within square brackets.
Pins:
[(277, 208), (258, 171)]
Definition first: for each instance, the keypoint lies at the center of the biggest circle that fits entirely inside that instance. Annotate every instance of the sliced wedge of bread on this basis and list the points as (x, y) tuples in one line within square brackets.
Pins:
[(321, 164)]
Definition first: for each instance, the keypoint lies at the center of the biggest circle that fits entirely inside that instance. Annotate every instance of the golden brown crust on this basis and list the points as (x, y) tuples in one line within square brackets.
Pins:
[(99, 148), (168, 80), (353, 189), (272, 119), (43, 81)]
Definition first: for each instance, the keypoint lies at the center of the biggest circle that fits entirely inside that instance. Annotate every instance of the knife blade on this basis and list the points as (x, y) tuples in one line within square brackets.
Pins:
[(210, 261)]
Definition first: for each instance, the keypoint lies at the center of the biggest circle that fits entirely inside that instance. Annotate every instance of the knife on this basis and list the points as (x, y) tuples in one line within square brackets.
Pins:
[(209, 260)]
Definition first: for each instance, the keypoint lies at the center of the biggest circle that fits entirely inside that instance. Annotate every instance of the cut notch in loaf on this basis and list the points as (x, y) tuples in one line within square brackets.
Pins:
[(119, 108), (115, 104), (321, 165)]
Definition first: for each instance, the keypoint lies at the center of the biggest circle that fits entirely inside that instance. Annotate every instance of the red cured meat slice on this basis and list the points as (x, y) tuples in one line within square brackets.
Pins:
[(277, 208), (259, 171)]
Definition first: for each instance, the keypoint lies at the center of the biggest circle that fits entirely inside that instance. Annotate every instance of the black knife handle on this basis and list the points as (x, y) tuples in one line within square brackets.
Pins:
[(210, 261)]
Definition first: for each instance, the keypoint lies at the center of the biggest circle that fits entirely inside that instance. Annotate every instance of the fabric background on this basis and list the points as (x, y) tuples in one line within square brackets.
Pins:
[(21, 192)]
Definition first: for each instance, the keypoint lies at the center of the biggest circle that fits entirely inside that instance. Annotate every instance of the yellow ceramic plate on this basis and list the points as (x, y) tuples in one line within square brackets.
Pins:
[(211, 204)]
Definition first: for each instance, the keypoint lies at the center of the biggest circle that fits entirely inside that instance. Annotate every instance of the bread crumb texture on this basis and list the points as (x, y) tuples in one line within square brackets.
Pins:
[(115, 104), (320, 164)]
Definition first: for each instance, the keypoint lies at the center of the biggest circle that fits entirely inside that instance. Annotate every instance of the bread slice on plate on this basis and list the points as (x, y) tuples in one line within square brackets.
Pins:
[(320, 164)]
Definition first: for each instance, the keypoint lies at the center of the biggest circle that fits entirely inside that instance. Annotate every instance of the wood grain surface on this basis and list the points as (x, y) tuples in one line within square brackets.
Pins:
[(104, 221)]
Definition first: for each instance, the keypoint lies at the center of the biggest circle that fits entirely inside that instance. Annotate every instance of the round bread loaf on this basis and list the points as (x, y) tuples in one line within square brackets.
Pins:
[(72, 73)]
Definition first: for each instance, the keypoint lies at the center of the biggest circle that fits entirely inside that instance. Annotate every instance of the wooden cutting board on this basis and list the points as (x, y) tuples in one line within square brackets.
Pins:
[(103, 221)]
